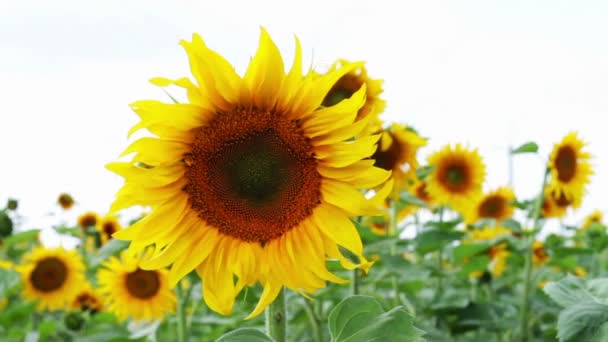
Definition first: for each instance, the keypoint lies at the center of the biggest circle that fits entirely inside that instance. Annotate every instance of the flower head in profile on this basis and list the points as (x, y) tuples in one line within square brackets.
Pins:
[(252, 178), (65, 201), (595, 217), (51, 276), (457, 176)]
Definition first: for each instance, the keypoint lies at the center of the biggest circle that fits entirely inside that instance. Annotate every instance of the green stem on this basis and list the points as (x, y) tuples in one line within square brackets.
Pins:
[(182, 301), (440, 260), (276, 319), (314, 321), (525, 302), (355, 282), (393, 230)]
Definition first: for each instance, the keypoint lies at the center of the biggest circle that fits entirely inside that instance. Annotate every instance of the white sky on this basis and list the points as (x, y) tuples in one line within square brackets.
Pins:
[(487, 73)]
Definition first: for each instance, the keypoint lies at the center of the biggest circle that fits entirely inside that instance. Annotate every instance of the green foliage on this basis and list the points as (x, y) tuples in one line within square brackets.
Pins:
[(529, 147), (245, 335)]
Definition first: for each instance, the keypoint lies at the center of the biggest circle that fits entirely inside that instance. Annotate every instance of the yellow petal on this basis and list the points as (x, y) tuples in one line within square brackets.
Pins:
[(334, 224), (270, 293), (152, 151), (343, 195)]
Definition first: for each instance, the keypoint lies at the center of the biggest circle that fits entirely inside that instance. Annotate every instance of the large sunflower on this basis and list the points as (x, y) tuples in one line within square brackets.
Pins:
[(252, 179), (457, 176), (570, 167), (397, 152), (129, 291), (493, 205), (51, 276)]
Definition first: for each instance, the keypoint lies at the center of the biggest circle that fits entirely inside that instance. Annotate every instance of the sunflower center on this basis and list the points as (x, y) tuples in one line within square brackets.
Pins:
[(252, 175), (563, 201), (143, 284), (49, 274), (565, 163), (109, 228), (454, 176), (492, 207), (389, 158)]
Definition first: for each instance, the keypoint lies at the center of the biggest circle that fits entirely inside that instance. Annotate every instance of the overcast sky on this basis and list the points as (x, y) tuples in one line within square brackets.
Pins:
[(487, 73)]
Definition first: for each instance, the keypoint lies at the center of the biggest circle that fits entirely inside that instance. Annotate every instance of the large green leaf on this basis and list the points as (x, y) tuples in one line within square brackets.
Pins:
[(25, 236), (468, 250), (113, 247), (433, 240), (245, 335), (361, 318)]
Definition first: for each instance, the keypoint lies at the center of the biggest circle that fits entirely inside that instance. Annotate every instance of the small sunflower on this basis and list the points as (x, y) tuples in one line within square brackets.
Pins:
[(349, 84), (88, 219), (570, 168), (397, 152), (595, 217), (493, 205), (419, 189), (498, 253), (87, 299), (252, 178), (51, 276), (108, 226), (557, 207), (539, 254), (580, 271), (130, 291), (65, 201), (457, 175)]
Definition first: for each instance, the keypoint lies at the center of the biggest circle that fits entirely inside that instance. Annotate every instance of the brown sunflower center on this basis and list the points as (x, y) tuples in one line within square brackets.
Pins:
[(389, 158), (492, 207), (565, 163), (422, 193), (88, 221), (252, 175), (143, 284), (539, 253), (109, 228), (49, 274), (563, 201), (455, 176), (343, 89)]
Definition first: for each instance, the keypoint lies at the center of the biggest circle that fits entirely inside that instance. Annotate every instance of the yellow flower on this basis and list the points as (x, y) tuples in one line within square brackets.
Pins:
[(250, 179), (65, 201), (108, 226), (580, 271), (594, 217), (349, 84), (51, 276), (493, 205), (487, 233), (87, 299), (498, 254), (541, 284), (88, 219), (570, 168), (420, 191), (557, 207), (3, 303), (397, 152), (6, 265), (457, 176), (129, 291), (539, 254)]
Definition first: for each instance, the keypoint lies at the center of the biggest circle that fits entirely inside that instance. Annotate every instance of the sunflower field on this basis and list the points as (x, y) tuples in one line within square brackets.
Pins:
[(278, 205)]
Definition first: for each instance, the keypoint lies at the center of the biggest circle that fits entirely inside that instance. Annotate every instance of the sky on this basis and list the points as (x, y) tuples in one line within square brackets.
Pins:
[(490, 74)]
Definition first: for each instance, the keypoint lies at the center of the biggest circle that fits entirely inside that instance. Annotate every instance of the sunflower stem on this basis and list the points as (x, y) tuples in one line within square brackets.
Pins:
[(440, 260), (355, 282), (276, 319), (182, 302), (525, 305), (314, 321), (393, 230)]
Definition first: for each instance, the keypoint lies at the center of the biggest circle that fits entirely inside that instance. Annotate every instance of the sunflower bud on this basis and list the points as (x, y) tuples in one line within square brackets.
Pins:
[(6, 225), (12, 204), (74, 320)]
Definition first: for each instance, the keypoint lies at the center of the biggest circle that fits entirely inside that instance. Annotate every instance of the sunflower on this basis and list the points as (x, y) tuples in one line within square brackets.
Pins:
[(87, 299), (129, 291), (580, 271), (493, 205), (88, 219), (51, 276), (419, 190), (595, 217), (349, 84), (457, 175), (498, 253), (557, 206), (108, 226), (6, 265), (397, 152), (570, 167), (65, 201), (252, 179), (539, 254)]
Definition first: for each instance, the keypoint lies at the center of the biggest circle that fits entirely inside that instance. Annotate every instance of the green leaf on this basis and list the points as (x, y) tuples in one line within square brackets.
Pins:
[(424, 171), (113, 247), (478, 263), (73, 231), (433, 240), (245, 335), (410, 199), (469, 250), (529, 147), (581, 322), (361, 318), (47, 328), (26, 236)]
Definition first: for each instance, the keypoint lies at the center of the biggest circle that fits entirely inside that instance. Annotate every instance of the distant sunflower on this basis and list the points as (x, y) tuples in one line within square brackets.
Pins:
[(557, 207), (349, 84), (253, 178), (493, 205), (51, 276), (570, 168), (595, 217), (498, 253), (65, 201), (539, 254), (87, 299), (419, 189), (457, 175), (108, 226), (129, 291), (397, 152), (88, 219)]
